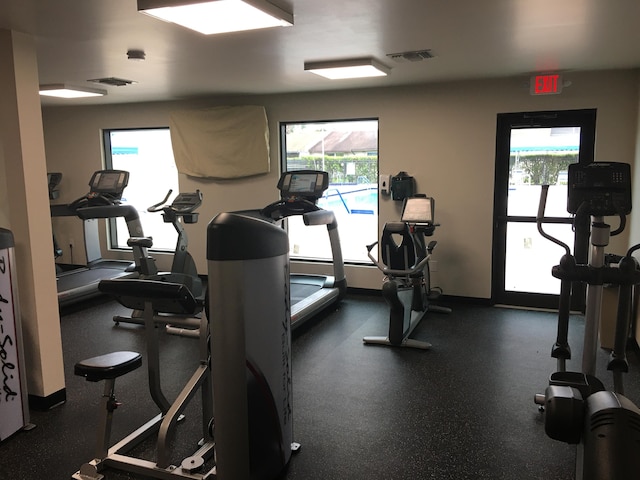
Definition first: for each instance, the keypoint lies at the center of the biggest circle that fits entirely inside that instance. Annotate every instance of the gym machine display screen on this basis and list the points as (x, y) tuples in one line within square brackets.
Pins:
[(603, 188), (418, 210), (303, 184), (109, 182)]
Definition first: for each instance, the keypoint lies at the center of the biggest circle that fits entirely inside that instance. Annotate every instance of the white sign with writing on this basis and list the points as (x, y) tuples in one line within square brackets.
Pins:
[(11, 403)]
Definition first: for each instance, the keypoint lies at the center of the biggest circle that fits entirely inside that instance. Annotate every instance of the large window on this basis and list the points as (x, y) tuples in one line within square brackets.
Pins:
[(148, 157), (348, 151)]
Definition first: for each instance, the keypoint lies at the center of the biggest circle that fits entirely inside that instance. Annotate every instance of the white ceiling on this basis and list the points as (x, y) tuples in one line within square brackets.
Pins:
[(80, 40)]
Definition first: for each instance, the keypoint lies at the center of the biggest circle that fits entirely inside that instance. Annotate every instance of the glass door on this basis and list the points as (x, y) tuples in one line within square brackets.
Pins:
[(534, 149)]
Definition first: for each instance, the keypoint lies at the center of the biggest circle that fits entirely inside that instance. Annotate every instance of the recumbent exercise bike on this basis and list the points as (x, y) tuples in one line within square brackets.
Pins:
[(405, 264)]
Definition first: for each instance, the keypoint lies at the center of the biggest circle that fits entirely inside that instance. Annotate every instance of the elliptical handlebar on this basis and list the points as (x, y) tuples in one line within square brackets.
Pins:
[(540, 219)]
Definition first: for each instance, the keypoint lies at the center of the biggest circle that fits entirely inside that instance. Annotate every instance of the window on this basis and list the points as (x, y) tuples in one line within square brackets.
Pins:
[(348, 151), (148, 157)]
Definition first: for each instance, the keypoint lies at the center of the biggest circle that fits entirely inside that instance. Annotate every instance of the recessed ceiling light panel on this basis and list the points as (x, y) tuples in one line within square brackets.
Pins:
[(67, 91), (343, 69), (218, 16)]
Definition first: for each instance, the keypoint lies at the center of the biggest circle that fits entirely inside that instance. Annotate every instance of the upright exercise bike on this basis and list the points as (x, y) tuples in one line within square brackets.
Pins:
[(405, 264), (182, 210), (605, 425)]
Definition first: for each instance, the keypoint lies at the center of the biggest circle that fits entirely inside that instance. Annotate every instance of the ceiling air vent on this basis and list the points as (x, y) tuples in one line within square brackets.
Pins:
[(112, 81), (414, 56)]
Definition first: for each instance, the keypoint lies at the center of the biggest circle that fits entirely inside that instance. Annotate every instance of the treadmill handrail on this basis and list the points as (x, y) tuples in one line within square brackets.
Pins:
[(319, 217), (108, 211), (288, 208)]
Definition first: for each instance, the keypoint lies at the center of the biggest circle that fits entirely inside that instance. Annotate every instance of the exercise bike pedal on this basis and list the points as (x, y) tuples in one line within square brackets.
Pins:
[(192, 464), (88, 471)]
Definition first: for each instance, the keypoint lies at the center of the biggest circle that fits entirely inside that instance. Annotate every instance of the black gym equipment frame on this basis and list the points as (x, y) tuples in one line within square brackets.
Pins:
[(300, 191), (407, 284), (102, 201), (604, 424)]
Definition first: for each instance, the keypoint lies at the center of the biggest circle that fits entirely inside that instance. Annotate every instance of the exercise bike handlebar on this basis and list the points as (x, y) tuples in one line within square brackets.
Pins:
[(160, 205), (417, 268), (184, 203)]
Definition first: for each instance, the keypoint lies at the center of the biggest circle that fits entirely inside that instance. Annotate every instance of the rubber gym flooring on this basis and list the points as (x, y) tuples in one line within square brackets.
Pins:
[(462, 410)]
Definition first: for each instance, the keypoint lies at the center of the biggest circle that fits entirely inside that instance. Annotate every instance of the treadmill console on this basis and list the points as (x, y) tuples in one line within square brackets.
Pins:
[(418, 210), (53, 179), (110, 183), (305, 184), (106, 187)]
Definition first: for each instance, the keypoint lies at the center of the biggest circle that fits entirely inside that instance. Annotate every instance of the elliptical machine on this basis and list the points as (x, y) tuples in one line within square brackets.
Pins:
[(407, 286), (604, 424)]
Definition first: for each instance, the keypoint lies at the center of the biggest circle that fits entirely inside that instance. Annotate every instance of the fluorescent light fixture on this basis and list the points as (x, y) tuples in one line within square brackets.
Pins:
[(341, 69), (67, 91), (218, 16)]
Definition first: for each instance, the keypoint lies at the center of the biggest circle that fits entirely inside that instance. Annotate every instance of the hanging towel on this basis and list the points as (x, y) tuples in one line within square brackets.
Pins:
[(221, 142)]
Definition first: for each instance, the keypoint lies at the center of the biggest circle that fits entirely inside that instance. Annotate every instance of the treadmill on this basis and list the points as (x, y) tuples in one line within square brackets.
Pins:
[(299, 194), (76, 283)]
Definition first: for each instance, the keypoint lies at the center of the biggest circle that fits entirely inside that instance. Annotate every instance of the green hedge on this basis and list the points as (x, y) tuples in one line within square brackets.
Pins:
[(542, 169)]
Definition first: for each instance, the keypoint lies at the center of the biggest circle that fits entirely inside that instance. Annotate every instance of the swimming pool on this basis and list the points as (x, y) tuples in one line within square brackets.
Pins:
[(351, 199), (356, 210)]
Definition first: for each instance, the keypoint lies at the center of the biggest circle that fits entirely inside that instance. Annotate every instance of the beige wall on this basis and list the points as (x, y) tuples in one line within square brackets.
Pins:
[(4, 197), (443, 134)]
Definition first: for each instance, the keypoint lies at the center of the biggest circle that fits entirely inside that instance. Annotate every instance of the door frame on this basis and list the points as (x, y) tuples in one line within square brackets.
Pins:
[(586, 120)]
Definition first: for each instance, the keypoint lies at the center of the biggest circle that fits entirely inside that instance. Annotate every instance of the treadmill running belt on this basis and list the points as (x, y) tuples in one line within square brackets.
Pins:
[(301, 291), (76, 286)]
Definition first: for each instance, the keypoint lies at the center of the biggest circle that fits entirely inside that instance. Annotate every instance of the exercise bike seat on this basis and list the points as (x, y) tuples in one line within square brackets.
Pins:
[(108, 366)]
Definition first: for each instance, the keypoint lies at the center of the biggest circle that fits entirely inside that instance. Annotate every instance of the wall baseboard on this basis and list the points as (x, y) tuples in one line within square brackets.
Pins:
[(50, 401)]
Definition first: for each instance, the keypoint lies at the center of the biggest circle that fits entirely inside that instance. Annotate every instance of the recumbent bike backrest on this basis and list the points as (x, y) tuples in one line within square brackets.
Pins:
[(417, 218)]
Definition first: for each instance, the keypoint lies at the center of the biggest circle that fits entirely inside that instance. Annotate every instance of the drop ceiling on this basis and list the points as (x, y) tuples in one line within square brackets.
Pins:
[(79, 40)]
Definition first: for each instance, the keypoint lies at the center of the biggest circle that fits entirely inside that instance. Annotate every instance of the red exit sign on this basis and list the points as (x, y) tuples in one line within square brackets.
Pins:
[(546, 84)]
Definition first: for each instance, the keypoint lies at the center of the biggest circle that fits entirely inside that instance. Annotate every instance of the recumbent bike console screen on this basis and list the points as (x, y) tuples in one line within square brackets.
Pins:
[(418, 210)]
